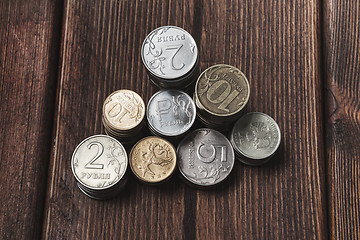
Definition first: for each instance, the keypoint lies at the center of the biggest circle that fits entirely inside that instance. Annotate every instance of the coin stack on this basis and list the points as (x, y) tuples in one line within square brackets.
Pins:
[(123, 114), (255, 138), (153, 160), (170, 113), (99, 164), (205, 158), (170, 56), (221, 92)]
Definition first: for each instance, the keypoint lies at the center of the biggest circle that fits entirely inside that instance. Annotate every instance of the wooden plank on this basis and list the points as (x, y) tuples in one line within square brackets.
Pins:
[(29, 38), (275, 44), (342, 113)]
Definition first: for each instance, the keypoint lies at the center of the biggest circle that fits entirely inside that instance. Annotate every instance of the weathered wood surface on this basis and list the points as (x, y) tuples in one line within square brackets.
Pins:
[(276, 44), (29, 45), (342, 116)]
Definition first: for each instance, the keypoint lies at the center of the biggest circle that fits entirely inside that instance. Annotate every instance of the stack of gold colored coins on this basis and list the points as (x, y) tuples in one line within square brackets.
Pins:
[(171, 58), (221, 92), (123, 114), (153, 160)]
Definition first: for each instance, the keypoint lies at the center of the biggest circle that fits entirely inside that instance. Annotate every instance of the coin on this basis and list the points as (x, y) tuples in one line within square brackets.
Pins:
[(255, 138), (99, 164), (205, 157), (222, 90), (170, 55), (170, 113), (153, 159), (123, 114), (123, 110)]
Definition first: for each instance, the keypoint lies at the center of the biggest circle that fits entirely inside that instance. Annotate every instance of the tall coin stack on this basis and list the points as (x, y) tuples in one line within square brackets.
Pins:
[(99, 164), (221, 92), (171, 58), (123, 115)]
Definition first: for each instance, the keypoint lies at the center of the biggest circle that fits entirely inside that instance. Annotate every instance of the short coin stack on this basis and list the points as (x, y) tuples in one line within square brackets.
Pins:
[(221, 92), (255, 138), (123, 114), (99, 164), (170, 113), (153, 160), (171, 57)]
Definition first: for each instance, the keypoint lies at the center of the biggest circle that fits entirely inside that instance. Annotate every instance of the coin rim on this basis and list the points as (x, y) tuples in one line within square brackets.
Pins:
[(99, 188), (168, 77), (155, 181), (245, 154), (226, 114)]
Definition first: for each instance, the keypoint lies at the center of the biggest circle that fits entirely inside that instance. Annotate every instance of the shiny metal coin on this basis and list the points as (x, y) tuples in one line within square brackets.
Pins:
[(123, 110), (170, 113), (255, 138), (205, 157), (99, 164), (222, 91), (153, 160), (169, 52)]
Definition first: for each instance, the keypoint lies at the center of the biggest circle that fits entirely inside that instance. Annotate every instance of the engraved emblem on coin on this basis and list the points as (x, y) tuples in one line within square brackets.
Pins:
[(169, 52), (256, 135), (124, 109), (153, 159), (222, 90), (205, 157), (99, 162), (171, 112)]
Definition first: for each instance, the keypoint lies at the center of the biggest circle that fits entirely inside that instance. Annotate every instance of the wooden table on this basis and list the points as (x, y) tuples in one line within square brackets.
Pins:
[(60, 59)]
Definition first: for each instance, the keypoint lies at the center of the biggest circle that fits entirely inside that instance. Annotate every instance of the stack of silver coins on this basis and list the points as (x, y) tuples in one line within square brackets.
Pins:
[(99, 164), (205, 158), (171, 57), (255, 138), (123, 114), (170, 113), (221, 92)]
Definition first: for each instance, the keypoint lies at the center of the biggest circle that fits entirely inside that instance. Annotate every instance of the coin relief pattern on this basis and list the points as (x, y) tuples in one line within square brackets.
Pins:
[(153, 159), (171, 112), (169, 52), (256, 135), (124, 109), (222, 90), (205, 157), (99, 162)]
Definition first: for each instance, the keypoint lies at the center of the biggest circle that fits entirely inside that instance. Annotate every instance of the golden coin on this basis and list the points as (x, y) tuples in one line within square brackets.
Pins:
[(153, 159), (123, 110), (222, 90)]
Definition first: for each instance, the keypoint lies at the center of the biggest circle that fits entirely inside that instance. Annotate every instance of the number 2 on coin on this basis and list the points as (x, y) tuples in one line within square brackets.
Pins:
[(91, 164)]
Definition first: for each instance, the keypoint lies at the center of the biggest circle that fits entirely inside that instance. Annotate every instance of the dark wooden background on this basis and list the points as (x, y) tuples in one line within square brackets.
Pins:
[(59, 59)]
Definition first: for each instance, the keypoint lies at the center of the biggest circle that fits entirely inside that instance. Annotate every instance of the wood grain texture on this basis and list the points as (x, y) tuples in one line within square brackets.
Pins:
[(29, 40), (276, 44), (342, 87)]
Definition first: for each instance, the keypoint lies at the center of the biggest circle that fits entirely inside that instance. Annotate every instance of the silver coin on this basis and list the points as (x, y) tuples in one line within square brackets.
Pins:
[(170, 113), (256, 136), (205, 157), (169, 52), (99, 162)]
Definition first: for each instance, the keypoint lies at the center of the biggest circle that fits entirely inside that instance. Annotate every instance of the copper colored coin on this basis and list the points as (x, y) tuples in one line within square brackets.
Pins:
[(222, 90), (153, 159), (123, 110)]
